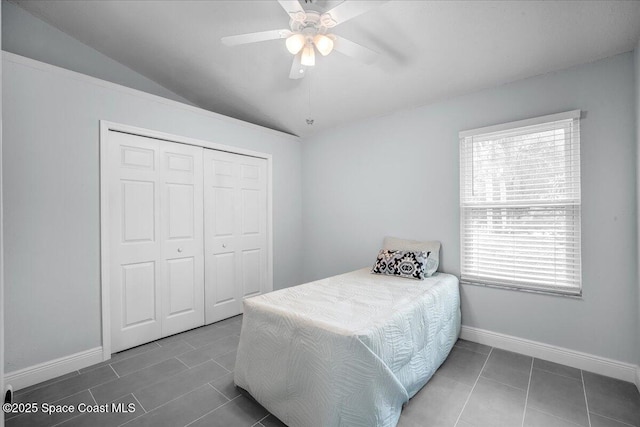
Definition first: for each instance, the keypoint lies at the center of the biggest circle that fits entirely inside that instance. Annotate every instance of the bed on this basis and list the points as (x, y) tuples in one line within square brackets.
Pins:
[(348, 350)]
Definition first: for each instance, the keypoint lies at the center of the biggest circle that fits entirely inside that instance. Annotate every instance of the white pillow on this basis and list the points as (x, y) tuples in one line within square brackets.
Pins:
[(433, 246)]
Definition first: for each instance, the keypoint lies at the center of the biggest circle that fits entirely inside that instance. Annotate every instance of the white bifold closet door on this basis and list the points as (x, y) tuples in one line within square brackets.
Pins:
[(235, 225), (156, 238)]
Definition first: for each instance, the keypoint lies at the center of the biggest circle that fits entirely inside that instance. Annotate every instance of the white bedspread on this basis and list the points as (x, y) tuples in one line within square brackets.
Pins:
[(348, 350)]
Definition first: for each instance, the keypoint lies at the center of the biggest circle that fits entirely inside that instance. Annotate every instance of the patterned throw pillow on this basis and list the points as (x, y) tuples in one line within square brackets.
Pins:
[(431, 246), (411, 265)]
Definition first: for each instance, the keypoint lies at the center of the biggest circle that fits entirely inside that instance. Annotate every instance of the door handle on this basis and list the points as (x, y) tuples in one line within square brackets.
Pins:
[(179, 249), (224, 245)]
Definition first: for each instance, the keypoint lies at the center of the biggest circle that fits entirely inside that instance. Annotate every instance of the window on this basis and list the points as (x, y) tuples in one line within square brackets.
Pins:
[(520, 204)]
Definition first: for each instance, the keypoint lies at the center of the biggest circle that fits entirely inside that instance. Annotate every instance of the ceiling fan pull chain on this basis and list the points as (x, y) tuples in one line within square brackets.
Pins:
[(310, 119)]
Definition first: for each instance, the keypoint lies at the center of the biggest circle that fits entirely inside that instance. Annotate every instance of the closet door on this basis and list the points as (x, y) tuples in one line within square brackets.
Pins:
[(235, 208), (135, 244), (182, 237), (156, 239)]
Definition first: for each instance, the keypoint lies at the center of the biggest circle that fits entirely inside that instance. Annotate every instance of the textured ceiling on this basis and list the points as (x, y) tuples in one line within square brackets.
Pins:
[(430, 50)]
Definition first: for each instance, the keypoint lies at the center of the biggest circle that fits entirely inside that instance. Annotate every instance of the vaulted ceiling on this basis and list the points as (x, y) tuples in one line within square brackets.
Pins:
[(429, 50)]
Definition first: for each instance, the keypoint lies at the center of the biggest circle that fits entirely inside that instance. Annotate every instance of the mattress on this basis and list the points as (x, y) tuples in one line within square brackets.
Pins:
[(348, 350)]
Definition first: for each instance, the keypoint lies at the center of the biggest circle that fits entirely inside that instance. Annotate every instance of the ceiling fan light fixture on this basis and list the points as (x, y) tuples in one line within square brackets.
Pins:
[(308, 56), (295, 42), (323, 43)]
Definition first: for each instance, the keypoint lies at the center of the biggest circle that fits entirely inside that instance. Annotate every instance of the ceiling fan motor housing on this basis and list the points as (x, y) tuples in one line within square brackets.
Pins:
[(311, 22)]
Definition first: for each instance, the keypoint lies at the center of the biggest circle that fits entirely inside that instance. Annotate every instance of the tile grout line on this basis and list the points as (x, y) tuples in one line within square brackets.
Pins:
[(555, 373), (134, 396), (178, 359), (586, 401), (133, 419), (220, 391), (201, 332), (210, 360), (225, 403), (474, 387), (473, 351), (526, 399), (558, 417), (92, 396), (502, 384), (114, 371), (613, 419), (263, 418), (217, 363), (209, 343)]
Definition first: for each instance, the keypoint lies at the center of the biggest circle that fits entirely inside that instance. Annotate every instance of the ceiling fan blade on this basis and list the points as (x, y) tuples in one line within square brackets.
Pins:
[(354, 50), (255, 37), (350, 9), (297, 69), (292, 7)]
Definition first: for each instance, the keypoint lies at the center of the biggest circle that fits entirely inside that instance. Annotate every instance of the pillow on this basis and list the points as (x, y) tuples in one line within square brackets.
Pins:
[(433, 247), (401, 263)]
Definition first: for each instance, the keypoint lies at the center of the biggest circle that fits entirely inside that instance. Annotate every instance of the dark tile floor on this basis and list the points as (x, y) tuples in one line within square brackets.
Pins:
[(187, 380)]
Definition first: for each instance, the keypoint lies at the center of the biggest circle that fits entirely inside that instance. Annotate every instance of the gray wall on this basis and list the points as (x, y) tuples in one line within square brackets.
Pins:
[(51, 131), (398, 175), (27, 35)]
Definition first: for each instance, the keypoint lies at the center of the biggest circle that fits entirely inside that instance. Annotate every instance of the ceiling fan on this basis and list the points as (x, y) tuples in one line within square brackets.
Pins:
[(310, 31)]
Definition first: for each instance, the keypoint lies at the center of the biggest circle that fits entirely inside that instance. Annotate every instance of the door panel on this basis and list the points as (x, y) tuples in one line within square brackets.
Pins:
[(250, 211), (253, 240), (138, 157), (138, 294), (138, 216), (181, 215), (235, 197), (133, 211), (251, 272), (179, 162), (182, 285), (182, 237), (223, 169), (224, 221), (220, 291), (250, 172)]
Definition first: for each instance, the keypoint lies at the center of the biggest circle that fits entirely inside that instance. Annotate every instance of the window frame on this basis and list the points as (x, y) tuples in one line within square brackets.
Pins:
[(466, 178)]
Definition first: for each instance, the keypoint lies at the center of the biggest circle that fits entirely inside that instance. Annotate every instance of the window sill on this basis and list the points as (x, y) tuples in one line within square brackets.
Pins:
[(556, 293)]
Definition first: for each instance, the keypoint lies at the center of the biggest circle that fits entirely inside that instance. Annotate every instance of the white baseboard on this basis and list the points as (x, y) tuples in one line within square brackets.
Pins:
[(54, 368), (588, 362)]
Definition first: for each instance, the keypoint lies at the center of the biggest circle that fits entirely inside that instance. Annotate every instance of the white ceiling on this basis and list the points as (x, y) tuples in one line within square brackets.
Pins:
[(430, 50)]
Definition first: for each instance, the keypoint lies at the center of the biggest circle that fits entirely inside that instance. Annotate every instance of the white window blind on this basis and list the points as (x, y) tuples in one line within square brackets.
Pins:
[(520, 204)]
